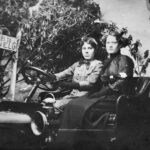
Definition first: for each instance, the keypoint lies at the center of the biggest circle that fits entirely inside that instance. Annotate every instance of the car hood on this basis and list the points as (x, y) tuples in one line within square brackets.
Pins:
[(14, 117)]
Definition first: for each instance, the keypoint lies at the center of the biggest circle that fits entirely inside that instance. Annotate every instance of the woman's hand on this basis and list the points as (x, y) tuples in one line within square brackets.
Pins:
[(52, 77), (104, 91)]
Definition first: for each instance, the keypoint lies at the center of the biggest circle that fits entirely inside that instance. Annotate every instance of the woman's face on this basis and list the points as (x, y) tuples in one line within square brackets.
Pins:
[(88, 51), (112, 45)]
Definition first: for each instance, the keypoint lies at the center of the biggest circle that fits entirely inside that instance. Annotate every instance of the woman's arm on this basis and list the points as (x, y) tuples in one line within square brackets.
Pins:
[(67, 72), (92, 78)]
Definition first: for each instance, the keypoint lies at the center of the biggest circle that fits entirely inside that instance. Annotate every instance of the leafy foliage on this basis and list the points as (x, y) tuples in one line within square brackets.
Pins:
[(52, 30), (52, 34)]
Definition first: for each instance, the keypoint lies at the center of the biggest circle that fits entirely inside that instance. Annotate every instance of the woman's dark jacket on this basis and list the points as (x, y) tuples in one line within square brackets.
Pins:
[(115, 71)]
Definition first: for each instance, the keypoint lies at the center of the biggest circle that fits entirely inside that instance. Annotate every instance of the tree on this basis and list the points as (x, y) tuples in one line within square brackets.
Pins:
[(52, 33), (52, 30)]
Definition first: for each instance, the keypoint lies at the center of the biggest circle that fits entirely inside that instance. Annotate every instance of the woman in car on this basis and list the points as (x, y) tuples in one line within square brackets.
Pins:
[(114, 74), (85, 73)]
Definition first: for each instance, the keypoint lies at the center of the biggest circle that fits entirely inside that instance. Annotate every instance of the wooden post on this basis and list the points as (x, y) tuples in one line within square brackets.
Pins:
[(14, 69), (148, 4)]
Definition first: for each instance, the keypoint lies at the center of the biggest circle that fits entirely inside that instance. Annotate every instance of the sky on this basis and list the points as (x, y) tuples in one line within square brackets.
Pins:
[(132, 14)]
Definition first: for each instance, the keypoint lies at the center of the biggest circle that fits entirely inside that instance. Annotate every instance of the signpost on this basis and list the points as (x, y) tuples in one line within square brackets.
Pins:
[(12, 44), (8, 43)]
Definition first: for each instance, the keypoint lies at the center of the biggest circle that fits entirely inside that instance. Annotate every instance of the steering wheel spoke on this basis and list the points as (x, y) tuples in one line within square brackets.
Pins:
[(34, 75)]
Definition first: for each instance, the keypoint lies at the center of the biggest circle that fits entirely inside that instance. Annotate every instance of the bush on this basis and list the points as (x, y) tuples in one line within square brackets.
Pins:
[(52, 30), (51, 35)]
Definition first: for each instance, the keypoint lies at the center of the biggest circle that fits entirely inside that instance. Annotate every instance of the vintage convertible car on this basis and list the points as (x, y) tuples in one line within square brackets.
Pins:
[(125, 123)]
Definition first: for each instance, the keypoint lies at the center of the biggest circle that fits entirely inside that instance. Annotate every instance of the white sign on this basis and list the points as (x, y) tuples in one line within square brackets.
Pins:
[(9, 43)]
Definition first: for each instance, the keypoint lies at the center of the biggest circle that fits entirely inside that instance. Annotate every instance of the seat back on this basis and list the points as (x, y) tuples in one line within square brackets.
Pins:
[(142, 86), (128, 107), (137, 86)]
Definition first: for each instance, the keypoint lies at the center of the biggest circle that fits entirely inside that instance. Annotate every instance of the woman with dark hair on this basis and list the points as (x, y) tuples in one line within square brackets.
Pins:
[(117, 68), (85, 73)]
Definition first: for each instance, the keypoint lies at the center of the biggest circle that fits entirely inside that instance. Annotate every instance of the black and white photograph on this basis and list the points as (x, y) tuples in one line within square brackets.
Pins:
[(75, 74)]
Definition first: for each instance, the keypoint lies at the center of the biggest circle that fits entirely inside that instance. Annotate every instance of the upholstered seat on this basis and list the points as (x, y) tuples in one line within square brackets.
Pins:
[(104, 113)]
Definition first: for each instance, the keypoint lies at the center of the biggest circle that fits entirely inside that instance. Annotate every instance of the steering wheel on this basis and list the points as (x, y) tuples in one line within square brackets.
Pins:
[(34, 75)]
